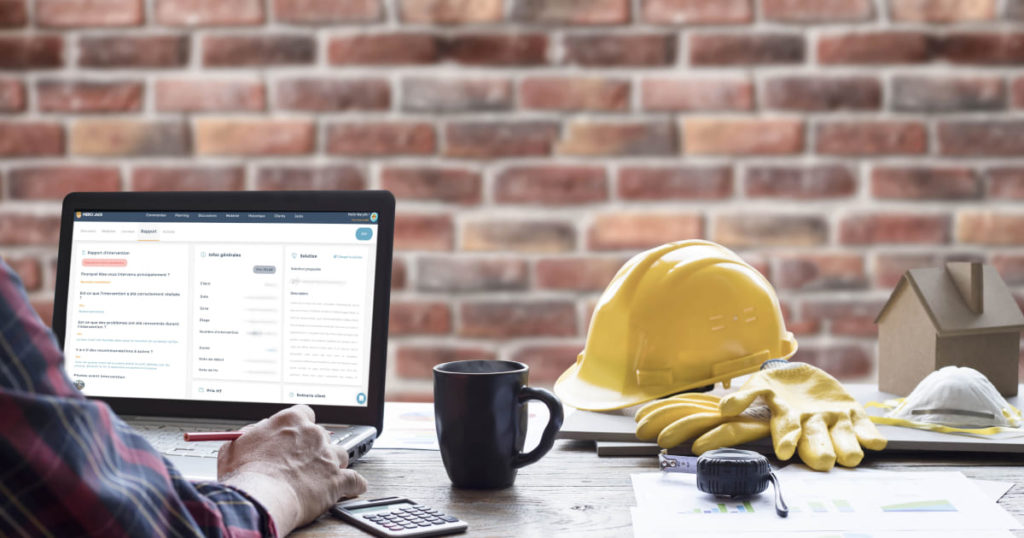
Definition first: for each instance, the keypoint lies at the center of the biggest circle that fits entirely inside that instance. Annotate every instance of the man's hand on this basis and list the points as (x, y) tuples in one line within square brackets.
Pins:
[(288, 464)]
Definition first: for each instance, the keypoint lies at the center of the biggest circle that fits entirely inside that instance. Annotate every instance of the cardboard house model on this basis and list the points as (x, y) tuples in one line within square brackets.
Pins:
[(960, 315)]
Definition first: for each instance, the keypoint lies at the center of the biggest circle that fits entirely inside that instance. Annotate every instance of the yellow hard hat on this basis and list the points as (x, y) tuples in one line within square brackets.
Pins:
[(674, 318)]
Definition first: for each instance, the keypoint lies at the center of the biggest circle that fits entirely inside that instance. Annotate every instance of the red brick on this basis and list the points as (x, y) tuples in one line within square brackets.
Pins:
[(384, 49), (455, 185), (44, 309), (84, 13), (816, 93), (399, 274), (419, 318), (517, 319), (1010, 267), (328, 11), (675, 182), (821, 181), (697, 94), (846, 317), (13, 13), (602, 50), (206, 95), (27, 229), (191, 178), (335, 178), (948, 94), (988, 137), (875, 228), (747, 48), (575, 93), (489, 139), (1018, 88), (89, 96), (265, 136), (207, 13), (634, 231), (451, 11), (1006, 183), (54, 182), (128, 137), (807, 272), (818, 10), (619, 138), (571, 11), (942, 10), (990, 228), (418, 361), (258, 50), (519, 236), (453, 275), (377, 138), (320, 94), (423, 232), (884, 47), (889, 268), (29, 139), (547, 362), (764, 230), (496, 49), (12, 95), (697, 11), (576, 274), (925, 183), (872, 137), (551, 185), (133, 51), (798, 325), (729, 136), (29, 270), (456, 94), (843, 361), (31, 52)]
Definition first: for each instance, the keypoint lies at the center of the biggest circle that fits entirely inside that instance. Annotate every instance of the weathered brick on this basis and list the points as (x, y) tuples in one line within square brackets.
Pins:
[(810, 182), (84, 13), (879, 47), (133, 51), (418, 361), (31, 52), (188, 178), (619, 138), (947, 94), (738, 136), (551, 185), (29, 229), (333, 177), (675, 182), (508, 319), (327, 11), (419, 318), (890, 267), (575, 93), (381, 138), (1018, 90), (258, 50), (770, 230), (451, 11), (547, 362), (576, 274), (54, 182), (697, 11), (847, 317), (497, 49), (265, 136), (1010, 267), (453, 275), (843, 361), (44, 309), (603, 50), (12, 95), (818, 10), (205, 95), (445, 184), (420, 94), (990, 228), (423, 232), (811, 272), (399, 274), (1006, 182), (384, 49), (942, 10), (697, 94), (571, 11), (29, 270), (489, 139), (874, 228), (325, 94), (128, 137), (795, 323), (746, 48), (984, 48), (815, 93), (519, 236), (634, 231), (89, 96), (988, 137), (872, 137), (13, 13), (207, 13), (29, 139), (925, 183)]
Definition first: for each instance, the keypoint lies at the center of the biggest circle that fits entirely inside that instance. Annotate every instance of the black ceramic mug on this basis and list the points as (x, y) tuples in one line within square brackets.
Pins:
[(480, 414)]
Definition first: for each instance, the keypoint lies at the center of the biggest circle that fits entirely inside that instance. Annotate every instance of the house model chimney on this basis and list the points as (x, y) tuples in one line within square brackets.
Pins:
[(966, 276)]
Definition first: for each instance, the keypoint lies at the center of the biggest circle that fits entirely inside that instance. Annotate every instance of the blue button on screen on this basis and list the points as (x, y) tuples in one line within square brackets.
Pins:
[(364, 234), (360, 398)]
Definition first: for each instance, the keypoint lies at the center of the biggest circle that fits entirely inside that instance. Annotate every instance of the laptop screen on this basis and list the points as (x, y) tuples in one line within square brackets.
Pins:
[(272, 307)]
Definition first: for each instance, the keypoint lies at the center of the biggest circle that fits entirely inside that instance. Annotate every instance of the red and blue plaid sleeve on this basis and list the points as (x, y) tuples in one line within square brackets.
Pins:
[(70, 466)]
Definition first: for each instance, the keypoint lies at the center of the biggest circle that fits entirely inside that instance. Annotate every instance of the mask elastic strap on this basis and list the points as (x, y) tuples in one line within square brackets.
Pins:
[(992, 430)]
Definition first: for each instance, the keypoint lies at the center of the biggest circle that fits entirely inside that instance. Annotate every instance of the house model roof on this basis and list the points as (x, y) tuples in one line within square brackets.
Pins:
[(947, 308)]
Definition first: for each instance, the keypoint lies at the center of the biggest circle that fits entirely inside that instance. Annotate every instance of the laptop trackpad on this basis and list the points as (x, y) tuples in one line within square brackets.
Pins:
[(195, 468)]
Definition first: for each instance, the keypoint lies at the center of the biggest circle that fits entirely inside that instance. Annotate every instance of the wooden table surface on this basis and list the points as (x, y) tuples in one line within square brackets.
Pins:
[(572, 492)]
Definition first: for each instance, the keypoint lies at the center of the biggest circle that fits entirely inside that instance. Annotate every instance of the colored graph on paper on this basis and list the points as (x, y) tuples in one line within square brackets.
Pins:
[(725, 508), (935, 505)]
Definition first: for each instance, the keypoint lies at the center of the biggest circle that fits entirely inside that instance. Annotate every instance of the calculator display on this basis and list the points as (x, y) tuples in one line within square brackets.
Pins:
[(381, 508)]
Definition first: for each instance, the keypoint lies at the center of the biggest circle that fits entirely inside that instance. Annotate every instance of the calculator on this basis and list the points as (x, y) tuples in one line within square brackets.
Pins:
[(397, 516)]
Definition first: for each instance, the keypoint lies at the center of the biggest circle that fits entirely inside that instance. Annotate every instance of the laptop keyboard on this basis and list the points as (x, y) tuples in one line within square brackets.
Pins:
[(169, 439)]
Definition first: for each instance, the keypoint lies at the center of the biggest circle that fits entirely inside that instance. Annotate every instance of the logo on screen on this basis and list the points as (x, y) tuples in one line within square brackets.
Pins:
[(373, 217)]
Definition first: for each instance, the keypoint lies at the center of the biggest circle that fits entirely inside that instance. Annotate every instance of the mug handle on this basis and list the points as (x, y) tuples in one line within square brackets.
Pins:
[(547, 440)]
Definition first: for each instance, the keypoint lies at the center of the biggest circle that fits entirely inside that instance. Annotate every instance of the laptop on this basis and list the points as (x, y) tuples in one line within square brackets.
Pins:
[(208, 311)]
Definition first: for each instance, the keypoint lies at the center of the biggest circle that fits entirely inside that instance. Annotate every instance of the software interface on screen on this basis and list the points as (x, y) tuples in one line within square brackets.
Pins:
[(221, 305)]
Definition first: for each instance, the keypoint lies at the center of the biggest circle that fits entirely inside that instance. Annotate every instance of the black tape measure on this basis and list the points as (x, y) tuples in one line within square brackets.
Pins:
[(729, 472)]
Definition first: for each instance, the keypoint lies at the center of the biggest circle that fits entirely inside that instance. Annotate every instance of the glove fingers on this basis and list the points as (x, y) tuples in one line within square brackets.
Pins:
[(711, 402), (732, 433), (736, 402), (687, 428), (648, 428), (844, 440), (815, 446), (868, 435), (786, 430)]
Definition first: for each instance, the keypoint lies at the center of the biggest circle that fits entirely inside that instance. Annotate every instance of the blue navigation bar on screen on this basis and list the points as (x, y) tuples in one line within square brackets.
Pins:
[(302, 217)]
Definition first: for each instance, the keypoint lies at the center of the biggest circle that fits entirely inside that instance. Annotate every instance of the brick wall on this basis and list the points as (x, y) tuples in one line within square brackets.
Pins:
[(535, 144)]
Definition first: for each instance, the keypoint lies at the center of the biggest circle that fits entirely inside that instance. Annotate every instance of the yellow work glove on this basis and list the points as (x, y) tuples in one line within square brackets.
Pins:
[(680, 418), (811, 413)]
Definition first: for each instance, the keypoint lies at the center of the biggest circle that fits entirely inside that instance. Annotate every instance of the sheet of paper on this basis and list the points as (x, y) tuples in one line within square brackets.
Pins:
[(409, 425)]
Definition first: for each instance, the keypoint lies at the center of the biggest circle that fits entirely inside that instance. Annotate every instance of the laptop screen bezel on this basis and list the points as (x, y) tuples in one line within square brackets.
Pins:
[(382, 202)]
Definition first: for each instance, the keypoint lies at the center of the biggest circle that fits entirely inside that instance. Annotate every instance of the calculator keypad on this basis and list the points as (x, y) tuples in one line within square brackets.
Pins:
[(413, 517)]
